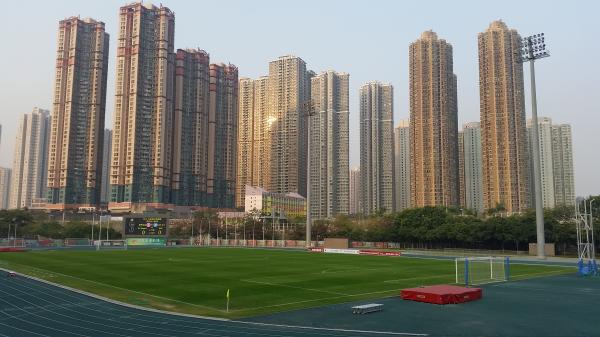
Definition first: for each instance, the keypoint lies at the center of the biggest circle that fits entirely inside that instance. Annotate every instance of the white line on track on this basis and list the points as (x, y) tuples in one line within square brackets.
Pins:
[(316, 330), (68, 318), (56, 305), (29, 333), (338, 330)]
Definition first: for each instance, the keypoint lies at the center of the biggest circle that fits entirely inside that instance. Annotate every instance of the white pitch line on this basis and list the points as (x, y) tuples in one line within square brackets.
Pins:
[(318, 299), (541, 264), (294, 287), (416, 278)]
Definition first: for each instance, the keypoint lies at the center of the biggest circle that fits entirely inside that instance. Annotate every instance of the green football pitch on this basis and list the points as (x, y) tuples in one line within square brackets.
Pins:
[(260, 281)]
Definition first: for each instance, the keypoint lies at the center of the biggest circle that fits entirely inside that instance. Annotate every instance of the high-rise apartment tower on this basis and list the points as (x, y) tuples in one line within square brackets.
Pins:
[(402, 164), (433, 123), (77, 133), (377, 147), (30, 162), (329, 151), (143, 118), (505, 153)]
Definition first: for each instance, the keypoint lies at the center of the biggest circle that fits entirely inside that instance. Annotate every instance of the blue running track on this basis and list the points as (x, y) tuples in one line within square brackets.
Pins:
[(29, 307)]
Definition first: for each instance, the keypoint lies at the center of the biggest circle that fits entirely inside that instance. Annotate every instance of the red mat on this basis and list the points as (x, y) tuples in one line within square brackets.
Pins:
[(441, 294)]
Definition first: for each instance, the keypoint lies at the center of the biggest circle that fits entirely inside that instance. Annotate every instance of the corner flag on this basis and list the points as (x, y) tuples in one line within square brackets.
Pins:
[(227, 293)]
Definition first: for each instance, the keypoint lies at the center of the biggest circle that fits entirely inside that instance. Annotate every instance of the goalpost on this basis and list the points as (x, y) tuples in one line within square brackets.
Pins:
[(111, 244), (481, 270)]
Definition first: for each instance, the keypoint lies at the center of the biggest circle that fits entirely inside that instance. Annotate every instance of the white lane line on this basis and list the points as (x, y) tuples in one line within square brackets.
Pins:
[(29, 333), (197, 322), (68, 318), (337, 330), (143, 309), (55, 305), (36, 324)]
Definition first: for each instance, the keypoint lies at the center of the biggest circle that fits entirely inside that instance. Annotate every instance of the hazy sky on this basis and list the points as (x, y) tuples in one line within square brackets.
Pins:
[(368, 39)]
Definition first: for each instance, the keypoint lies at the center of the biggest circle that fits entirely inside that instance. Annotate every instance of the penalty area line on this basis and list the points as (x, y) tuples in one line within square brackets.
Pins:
[(333, 329)]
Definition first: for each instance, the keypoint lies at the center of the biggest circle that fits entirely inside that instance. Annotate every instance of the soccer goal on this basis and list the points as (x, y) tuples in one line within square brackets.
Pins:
[(110, 244), (481, 270)]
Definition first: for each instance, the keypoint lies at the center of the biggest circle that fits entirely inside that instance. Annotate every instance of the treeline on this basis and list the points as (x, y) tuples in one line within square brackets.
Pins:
[(440, 227), (30, 225), (428, 227)]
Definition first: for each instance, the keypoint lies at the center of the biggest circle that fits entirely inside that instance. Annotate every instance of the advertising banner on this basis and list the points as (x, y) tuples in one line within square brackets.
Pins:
[(146, 241), (340, 251), (377, 253)]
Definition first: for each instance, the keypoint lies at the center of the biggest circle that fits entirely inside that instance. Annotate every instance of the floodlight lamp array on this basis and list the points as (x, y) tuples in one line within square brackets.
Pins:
[(533, 47)]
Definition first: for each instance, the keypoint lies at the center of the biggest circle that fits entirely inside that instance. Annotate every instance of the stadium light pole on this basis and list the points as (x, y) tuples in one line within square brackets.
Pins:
[(534, 48), (310, 111)]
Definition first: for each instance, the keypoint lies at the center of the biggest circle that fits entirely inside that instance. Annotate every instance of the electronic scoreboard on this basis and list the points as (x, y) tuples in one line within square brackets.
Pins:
[(146, 226)]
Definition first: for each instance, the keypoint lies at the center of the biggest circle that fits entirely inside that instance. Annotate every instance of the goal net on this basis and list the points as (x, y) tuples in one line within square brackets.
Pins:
[(110, 244), (481, 270)]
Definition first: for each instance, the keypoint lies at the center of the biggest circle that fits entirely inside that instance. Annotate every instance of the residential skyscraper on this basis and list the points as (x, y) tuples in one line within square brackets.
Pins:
[(402, 164), (30, 162), (329, 132), (377, 147), (255, 132), (105, 187), (289, 94), (143, 120), (562, 164), (505, 153), (222, 136), (433, 123), (355, 198), (76, 138), (4, 187), (473, 169), (461, 169), (190, 143), (546, 160)]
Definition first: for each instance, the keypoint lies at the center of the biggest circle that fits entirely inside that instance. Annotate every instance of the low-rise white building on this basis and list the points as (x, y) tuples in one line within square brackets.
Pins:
[(289, 205)]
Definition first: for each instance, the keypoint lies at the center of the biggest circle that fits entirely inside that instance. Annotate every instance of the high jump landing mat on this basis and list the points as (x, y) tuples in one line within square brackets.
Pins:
[(441, 294)]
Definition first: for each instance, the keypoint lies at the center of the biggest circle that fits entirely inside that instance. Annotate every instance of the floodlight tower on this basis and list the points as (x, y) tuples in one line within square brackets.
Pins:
[(310, 111), (534, 48)]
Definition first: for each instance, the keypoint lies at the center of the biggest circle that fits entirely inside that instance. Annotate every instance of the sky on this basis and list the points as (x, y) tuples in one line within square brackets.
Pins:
[(368, 39)]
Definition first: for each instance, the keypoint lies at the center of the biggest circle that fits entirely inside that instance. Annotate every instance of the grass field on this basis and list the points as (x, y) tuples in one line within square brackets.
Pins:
[(261, 281)]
